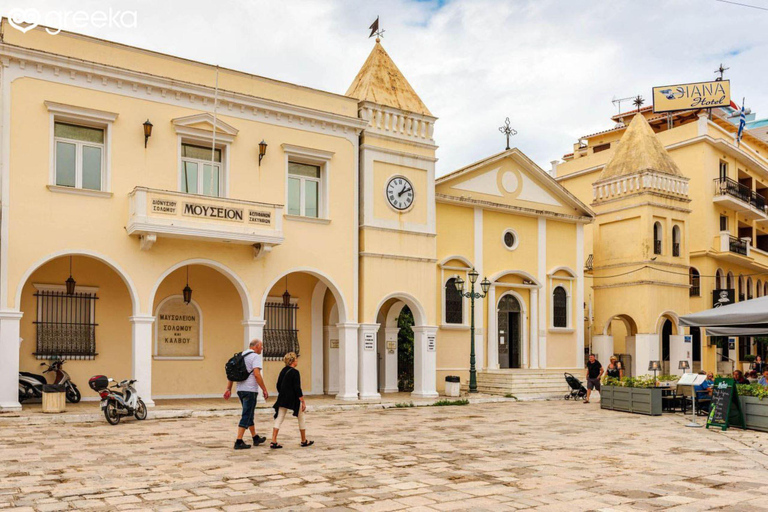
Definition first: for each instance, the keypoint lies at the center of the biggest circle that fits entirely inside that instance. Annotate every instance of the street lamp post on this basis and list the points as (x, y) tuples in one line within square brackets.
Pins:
[(485, 284)]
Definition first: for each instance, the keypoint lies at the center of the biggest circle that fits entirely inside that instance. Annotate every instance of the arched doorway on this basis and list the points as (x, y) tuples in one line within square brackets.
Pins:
[(510, 315), (302, 311), (89, 328), (405, 358), (666, 332), (199, 313)]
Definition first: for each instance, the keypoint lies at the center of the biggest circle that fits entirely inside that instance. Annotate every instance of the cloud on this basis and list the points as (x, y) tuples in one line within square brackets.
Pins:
[(551, 66)]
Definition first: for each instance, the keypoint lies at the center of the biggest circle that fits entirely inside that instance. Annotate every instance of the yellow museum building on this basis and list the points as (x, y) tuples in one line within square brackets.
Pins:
[(681, 226), (196, 208)]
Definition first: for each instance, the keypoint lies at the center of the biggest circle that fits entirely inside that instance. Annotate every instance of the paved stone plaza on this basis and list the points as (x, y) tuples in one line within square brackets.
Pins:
[(499, 456)]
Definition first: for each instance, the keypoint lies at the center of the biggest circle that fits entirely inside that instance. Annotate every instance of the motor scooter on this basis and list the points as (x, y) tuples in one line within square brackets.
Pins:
[(31, 384), (118, 399)]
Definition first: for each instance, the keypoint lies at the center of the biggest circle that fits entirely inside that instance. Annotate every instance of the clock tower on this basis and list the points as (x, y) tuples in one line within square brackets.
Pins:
[(397, 222)]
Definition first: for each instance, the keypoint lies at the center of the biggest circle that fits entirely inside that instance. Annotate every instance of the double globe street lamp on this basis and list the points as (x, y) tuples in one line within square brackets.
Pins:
[(485, 284)]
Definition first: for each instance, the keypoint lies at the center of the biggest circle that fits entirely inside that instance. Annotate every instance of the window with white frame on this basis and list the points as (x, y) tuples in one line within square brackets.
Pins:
[(304, 189), (202, 170), (79, 155), (559, 307)]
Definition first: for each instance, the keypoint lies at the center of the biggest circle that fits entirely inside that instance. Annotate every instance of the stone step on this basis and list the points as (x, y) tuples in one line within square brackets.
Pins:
[(526, 384)]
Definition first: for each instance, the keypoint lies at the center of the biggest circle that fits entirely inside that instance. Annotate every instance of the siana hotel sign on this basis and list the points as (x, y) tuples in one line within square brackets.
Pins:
[(671, 98)]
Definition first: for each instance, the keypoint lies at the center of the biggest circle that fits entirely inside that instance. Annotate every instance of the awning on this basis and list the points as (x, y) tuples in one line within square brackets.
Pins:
[(746, 318)]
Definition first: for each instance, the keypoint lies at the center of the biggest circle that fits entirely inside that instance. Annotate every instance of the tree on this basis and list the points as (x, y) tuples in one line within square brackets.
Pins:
[(405, 350)]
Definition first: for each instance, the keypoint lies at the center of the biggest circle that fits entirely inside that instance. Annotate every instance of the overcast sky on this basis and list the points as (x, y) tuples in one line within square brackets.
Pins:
[(551, 66)]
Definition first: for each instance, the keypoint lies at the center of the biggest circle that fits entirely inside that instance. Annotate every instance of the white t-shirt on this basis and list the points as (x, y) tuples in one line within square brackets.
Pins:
[(252, 360)]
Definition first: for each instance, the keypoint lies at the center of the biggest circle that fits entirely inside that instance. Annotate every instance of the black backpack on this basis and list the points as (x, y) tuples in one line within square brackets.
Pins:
[(235, 367)]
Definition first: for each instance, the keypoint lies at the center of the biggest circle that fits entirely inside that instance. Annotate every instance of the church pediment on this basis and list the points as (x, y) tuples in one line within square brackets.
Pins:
[(510, 179)]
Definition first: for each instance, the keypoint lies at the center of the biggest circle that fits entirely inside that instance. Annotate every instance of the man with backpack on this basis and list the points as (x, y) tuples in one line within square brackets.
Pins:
[(245, 369)]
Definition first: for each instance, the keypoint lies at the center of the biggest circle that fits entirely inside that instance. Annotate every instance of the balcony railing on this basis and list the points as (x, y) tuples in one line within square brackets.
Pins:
[(731, 187), (695, 289), (737, 245)]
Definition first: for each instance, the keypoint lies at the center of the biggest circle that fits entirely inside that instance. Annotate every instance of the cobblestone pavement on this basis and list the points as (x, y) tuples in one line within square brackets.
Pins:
[(504, 456)]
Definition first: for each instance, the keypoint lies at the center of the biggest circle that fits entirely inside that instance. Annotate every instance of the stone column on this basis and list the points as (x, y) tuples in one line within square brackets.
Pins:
[(390, 360), (534, 335), (141, 334), (602, 346), (347, 361), (680, 350), (368, 362), (253, 329), (332, 335), (646, 350), (424, 362), (493, 331), (10, 322)]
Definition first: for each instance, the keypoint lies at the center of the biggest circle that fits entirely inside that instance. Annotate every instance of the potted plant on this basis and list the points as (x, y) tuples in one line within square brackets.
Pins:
[(754, 405), (632, 394)]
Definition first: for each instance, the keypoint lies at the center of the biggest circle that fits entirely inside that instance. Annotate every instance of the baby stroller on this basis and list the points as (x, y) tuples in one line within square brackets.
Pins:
[(578, 391)]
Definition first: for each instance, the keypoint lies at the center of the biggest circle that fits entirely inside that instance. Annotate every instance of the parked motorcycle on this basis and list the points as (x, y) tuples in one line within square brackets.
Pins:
[(31, 384), (118, 399)]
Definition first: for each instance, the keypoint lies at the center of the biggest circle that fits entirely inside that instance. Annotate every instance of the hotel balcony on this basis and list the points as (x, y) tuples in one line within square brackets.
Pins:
[(732, 194), (162, 213)]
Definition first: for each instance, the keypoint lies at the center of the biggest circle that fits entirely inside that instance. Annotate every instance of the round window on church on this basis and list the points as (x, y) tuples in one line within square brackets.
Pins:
[(510, 239)]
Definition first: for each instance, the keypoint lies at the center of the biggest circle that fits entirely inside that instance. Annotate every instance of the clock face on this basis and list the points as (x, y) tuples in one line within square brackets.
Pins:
[(399, 193)]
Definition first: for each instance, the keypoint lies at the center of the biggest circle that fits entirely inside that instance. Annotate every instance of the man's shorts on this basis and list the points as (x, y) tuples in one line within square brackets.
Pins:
[(593, 383)]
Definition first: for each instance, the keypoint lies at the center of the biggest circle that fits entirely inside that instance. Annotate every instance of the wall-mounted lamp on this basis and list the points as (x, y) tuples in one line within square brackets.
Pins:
[(262, 150), (147, 131)]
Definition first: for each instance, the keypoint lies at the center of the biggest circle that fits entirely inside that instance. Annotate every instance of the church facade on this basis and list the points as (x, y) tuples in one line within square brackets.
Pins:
[(159, 213)]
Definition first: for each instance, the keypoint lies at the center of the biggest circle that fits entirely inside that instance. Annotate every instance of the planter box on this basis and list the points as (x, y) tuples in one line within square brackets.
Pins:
[(755, 412), (636, 400)]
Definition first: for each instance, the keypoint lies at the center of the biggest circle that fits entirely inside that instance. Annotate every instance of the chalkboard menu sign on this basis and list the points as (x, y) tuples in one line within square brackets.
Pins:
[(726, 408)]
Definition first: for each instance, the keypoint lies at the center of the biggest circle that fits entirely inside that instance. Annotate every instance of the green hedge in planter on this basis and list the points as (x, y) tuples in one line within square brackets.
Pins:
[(631, 394)]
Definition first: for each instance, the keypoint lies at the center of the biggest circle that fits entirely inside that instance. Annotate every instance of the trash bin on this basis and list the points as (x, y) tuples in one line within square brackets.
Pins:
[(54, 398), (452, 386)]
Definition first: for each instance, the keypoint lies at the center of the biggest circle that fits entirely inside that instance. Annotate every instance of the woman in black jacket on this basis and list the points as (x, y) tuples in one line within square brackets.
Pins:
[(290, 398)]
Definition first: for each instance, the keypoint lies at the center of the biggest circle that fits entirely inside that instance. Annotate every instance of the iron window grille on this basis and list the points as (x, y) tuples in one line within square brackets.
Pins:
[(559, 307), (454, 306), (676, 249), (66, 327), (280, 333), (695, 278), (588, 265), (657, 247)]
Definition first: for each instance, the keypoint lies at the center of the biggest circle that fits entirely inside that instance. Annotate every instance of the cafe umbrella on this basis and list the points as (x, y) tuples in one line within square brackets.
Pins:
[(746, 318)]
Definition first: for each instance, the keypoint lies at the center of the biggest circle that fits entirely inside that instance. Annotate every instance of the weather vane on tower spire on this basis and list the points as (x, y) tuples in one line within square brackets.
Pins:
[(376, 31)]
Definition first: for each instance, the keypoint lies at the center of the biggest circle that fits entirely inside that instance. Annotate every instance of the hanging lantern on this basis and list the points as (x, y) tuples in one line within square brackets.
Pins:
[(286, 295), (70, 282), (187, 291)]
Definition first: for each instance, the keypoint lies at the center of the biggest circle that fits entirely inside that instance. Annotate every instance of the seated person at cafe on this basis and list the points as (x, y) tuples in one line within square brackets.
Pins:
[(738, 376), (704, 391), (763, 381)]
